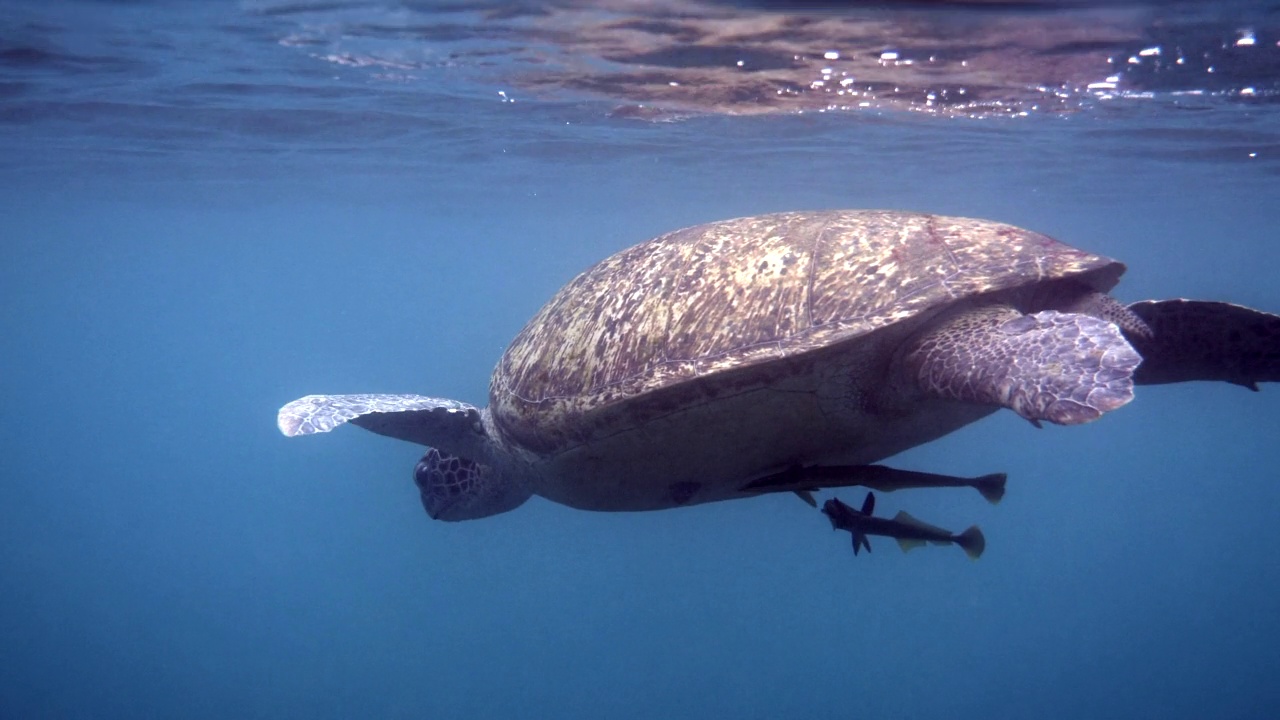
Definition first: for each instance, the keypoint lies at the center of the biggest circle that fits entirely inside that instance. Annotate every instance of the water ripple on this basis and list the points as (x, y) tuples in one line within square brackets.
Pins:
[(392, 84)]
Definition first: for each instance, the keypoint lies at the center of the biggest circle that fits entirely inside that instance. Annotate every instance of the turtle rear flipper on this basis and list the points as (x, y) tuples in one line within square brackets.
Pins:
[(1067, 368), (1204, 340)]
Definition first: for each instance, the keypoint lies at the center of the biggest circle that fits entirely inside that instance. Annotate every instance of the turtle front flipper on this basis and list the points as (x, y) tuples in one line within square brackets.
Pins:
[(1066, 368), (1205, 340), (453, 426)]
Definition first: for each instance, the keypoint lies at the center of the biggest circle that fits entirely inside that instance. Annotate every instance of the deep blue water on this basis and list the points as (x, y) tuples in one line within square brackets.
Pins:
[(209, 209)]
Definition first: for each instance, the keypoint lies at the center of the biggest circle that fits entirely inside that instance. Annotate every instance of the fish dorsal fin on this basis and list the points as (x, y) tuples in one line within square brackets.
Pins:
[(869, 505), (905, 519)]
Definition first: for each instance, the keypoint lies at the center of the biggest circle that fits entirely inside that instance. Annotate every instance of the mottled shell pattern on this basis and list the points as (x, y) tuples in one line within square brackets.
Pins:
[(737, 293)]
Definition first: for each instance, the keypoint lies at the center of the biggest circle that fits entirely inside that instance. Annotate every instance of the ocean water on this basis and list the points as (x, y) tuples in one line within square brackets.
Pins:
[(210, 209)]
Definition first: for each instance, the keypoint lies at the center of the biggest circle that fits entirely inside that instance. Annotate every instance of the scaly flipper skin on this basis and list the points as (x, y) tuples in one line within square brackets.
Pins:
[(1065, 368), (454, 478), (1205, 340), (453, 426), (1105, 307)]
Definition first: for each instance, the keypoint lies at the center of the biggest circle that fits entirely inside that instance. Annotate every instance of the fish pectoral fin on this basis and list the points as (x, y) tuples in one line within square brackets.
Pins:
[(807, 496), (859, 542), (903, 518)]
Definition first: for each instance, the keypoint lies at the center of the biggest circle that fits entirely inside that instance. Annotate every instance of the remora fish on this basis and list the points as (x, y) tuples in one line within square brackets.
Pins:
[(804, 480), (908, 531)]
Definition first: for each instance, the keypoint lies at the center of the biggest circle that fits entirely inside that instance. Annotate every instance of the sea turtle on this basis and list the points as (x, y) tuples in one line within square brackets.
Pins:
[(787, 352)]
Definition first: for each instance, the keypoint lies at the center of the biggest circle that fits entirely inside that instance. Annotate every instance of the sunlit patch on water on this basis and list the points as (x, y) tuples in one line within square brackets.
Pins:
[(666, 60)]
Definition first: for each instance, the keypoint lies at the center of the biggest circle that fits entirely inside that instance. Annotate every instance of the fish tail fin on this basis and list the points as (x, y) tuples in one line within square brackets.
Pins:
[(991, 487), (972, 542)]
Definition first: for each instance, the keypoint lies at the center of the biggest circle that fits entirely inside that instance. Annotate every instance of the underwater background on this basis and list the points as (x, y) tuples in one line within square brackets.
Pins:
[(210, 209)]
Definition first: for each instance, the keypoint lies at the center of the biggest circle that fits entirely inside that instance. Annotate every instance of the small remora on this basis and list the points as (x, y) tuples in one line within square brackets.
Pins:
[(908, 531)]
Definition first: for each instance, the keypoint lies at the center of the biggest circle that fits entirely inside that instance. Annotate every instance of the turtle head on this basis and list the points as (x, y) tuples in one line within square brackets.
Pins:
[(455, 488)]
